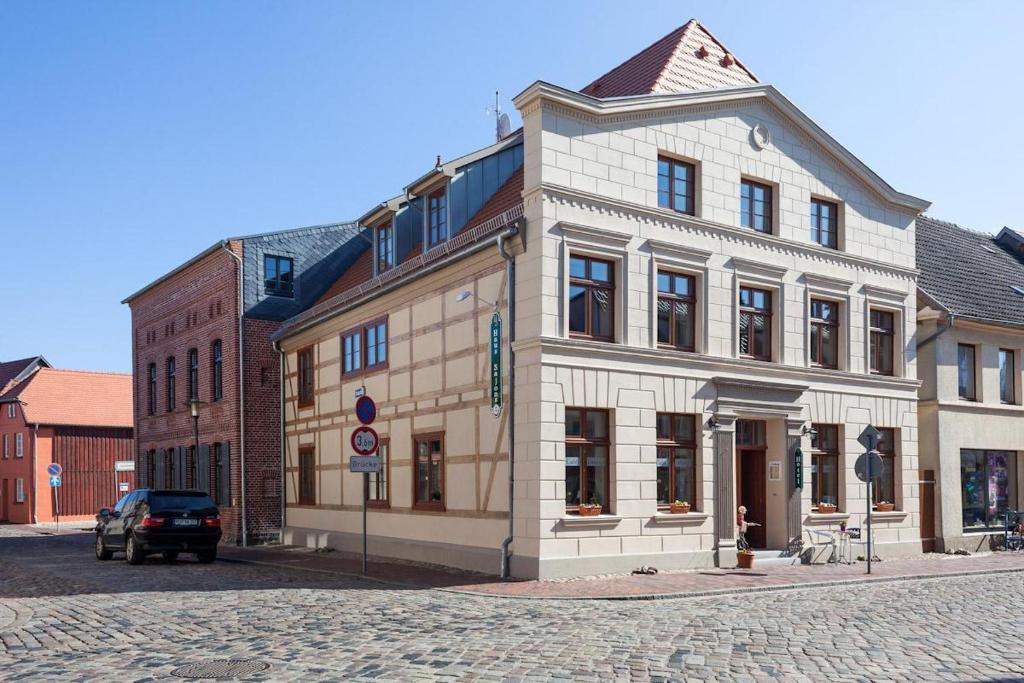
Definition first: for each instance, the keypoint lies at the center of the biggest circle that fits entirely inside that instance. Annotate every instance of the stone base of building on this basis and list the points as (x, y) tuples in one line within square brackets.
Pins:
[(972, 543), (483, 560), (565, 567)]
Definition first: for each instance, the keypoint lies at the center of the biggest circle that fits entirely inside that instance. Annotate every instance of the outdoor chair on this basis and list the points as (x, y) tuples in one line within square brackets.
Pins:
[(825, 541)]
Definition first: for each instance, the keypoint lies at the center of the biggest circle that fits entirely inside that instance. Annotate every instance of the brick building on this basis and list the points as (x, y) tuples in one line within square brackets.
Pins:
[(80, 420), (190, 328)]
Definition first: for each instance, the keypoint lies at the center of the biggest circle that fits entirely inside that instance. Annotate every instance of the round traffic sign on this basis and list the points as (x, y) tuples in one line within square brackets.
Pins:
[(366, 410), (53, 469), (868, 466), (364, 440)]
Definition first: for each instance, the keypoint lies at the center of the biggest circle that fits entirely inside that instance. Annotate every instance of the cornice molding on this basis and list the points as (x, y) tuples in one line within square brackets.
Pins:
[(662, 360), (680, 251), (725, 233), (758, 269), (589, 233)]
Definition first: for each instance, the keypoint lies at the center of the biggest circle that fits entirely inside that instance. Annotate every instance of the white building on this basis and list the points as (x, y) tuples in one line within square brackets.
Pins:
[(703, 278)]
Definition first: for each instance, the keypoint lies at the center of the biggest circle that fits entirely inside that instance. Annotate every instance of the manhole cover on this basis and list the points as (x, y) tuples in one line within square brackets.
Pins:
[(221, 668)]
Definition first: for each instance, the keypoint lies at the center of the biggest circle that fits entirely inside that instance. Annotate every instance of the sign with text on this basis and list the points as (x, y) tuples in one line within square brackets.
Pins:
[(364, 463), (124, 466), (122, 487), (495, 344), (364, 440)]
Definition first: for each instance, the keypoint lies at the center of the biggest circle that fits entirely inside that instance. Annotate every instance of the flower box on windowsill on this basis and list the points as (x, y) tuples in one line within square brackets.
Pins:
[(826, 509), (590, 510), (679, 508), (884, 507)]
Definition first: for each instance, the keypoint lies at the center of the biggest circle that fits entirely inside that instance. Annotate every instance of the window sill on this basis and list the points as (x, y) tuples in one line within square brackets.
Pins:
[(378, 505), (686, 518), (894, 516), (824, 517), (571, 520), (428, 507)]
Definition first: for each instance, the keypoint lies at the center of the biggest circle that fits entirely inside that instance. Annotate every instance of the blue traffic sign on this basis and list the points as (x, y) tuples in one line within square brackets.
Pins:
[(55, 481), (54, 470), (366, 410)]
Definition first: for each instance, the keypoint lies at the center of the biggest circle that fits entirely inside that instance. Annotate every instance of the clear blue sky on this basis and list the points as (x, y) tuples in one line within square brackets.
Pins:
[(135, 134)]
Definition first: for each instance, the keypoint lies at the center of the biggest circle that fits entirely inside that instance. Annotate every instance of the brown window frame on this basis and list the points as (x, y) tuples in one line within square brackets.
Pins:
[(385, 244), (965, 393), (434, 505), (1012, 365), (816, 219), (750, 311), (217, 370), (437, 217), (818, 454), (377, 487), (585, 442), (690, 190), (171, 369), (671, 298), (589, 285), (362, 333), (673, 443), (151, 389), (749, 214), (306, 377), (820, 324), (193, 374), (888, 456), (306, 453), (877, 333)]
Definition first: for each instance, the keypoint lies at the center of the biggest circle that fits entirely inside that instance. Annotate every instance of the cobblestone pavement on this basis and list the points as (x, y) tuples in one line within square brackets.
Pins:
[(65, 616)]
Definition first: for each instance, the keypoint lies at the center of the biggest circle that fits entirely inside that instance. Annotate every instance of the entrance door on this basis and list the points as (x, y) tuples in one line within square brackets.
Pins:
[(927, 483), (4, 512), (750, 490)]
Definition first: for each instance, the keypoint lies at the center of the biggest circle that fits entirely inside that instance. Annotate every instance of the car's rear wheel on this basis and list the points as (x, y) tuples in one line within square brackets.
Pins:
[(102, 551), (170, 555), (133, 553), (207, 556)]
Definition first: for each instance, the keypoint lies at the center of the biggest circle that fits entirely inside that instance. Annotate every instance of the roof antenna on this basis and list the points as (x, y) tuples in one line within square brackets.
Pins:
[(502, 124)]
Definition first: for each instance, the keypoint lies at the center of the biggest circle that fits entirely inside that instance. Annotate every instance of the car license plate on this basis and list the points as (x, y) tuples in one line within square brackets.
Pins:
[(186, 522)]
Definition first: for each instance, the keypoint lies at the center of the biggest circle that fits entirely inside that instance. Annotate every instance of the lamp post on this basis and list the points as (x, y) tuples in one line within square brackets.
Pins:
[(193, 409)]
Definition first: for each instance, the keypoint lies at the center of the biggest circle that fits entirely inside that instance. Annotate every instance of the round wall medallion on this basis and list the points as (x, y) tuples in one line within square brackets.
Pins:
[(760, 137)]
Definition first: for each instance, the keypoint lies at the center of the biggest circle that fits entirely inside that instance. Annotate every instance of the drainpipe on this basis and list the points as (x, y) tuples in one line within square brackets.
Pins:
[(284, 461), (241, 383), (32, 479), (510, 271), (950, 318)]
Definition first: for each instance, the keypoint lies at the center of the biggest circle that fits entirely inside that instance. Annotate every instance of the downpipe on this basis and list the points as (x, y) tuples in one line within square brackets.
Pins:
[(241, 384), (510, 275), (284, 461)]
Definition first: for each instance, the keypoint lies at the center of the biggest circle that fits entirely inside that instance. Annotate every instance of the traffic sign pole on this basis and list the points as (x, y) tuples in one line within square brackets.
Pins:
[(870, 473), (366, 496)]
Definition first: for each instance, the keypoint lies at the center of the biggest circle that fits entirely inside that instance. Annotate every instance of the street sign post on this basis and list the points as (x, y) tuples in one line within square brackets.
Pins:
[(364, 443), (54, 471), (495, 344), (867, 467)]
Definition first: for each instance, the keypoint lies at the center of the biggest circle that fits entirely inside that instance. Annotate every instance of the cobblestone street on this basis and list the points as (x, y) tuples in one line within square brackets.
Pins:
[(65, 616)]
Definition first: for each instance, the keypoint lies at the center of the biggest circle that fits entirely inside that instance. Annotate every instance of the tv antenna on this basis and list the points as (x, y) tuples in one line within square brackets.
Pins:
[(502, 124)]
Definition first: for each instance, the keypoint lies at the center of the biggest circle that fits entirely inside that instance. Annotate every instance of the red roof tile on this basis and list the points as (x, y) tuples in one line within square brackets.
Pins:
[(674, 64), (358, 273), (75, 397)]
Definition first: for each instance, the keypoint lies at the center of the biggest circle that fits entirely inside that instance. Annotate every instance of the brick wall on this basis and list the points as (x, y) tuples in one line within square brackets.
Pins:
[(262, 431), (191, 309)]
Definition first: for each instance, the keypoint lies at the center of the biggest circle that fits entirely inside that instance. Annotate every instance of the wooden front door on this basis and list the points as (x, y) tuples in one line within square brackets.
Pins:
[(750, 491), (927, 483)]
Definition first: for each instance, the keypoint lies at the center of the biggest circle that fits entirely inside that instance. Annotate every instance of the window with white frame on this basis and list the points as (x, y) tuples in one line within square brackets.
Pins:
[(19, 445), (19, 490), (12, 410)]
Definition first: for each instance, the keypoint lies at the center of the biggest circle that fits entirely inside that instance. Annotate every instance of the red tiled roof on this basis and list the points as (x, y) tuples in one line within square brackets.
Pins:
[(504, 198), (674, 64), (74, 397), (357, 273)]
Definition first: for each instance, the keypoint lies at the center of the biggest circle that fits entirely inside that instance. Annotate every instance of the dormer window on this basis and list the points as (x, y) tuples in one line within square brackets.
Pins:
[(278, 275), (437, 218), (385, 248)]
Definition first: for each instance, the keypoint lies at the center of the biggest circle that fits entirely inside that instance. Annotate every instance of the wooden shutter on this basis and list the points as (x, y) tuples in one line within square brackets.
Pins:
[(179, 468), (224, 479), (201, 479), (159, 469)]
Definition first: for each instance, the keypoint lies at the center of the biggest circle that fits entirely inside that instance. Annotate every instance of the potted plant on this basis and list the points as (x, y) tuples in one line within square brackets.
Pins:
[(591, 509), (745, 559), (679, 507), (826, 508), (884, 506)]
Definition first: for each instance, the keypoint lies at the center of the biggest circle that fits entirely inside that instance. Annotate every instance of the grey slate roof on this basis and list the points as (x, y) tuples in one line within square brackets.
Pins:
[(969, 273)]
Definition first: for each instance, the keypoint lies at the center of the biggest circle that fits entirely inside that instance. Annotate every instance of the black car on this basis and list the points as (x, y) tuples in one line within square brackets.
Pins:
[(159, 521)]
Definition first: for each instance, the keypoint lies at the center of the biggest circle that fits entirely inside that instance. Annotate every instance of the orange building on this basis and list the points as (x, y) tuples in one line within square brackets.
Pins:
[(79, 420)]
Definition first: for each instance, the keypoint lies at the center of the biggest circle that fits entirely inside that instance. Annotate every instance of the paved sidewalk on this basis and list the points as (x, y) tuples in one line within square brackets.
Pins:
[(663, 585)]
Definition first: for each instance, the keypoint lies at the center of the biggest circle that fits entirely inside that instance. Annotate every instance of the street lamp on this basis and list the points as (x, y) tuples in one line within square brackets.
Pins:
[(193, 410), (466, 294)]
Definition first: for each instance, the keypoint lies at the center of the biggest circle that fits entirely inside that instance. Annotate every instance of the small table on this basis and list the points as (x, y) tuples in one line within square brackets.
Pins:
[(844, 549)]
